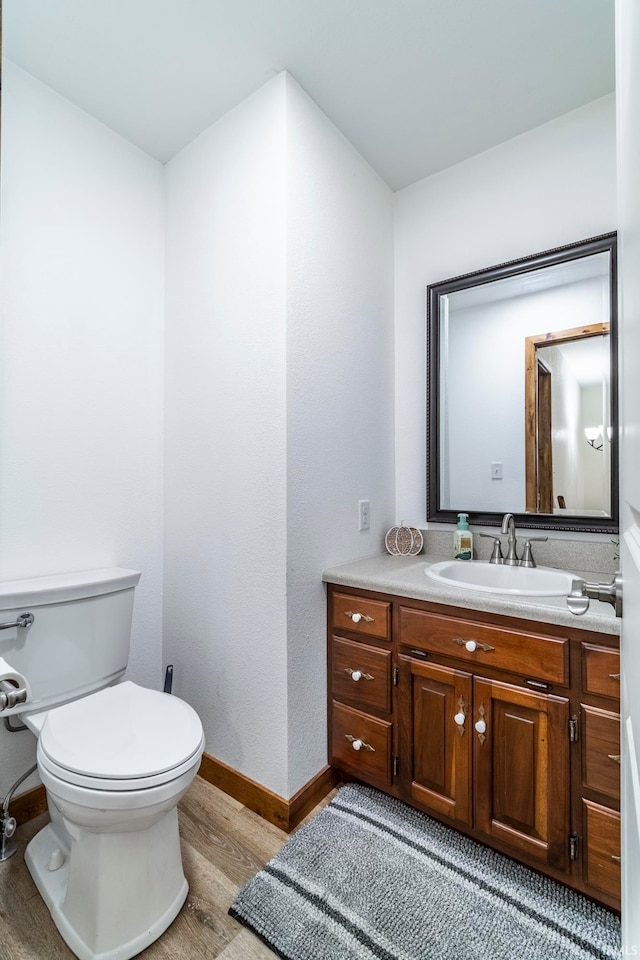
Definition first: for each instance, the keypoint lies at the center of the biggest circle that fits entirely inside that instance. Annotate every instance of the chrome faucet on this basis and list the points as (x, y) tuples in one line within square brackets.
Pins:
[(509, 527), (512, 559)]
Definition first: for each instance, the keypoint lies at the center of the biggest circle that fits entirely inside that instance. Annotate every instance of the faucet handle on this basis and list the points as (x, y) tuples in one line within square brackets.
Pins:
[(496, 553), (527, 556)]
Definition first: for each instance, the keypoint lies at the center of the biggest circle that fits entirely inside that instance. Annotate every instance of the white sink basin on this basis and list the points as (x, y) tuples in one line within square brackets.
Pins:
[(497, 578)]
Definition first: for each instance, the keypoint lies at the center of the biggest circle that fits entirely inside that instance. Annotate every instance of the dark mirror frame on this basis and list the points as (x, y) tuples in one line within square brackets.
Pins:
[(605, 243)]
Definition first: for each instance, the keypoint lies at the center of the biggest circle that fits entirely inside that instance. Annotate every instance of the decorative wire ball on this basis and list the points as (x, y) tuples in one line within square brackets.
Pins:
[(403, 541)]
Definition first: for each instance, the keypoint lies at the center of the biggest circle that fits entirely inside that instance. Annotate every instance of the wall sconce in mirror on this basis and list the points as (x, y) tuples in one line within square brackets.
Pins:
[(522, 363), (594, 434)]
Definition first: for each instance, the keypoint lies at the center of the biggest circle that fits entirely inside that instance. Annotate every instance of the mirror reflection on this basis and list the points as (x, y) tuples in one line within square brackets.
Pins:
[(522, 404), (568, 422)]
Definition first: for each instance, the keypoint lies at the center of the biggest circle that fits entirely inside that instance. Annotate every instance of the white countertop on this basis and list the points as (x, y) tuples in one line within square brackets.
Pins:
[(406, 577)]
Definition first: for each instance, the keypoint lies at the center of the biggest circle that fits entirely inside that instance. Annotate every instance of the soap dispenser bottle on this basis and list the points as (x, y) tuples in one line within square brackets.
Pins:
[(463, 539)]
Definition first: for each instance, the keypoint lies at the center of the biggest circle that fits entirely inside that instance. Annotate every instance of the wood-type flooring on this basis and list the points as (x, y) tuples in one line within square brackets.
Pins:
[(223, 845)]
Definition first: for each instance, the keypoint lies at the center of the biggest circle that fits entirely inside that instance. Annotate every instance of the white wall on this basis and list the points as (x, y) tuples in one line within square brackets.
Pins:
[(279, 418), (339, 393), (597, 463), (568, 441), (82, 257), (550, 186), (226, 485)]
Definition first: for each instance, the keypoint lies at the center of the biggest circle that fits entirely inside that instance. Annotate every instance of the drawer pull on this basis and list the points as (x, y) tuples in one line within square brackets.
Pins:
[(472, 645), (419, 653), (358, 674), (538, 684), (615, 756), (359, 744), (614, 676), (357, 617), (615, 859)]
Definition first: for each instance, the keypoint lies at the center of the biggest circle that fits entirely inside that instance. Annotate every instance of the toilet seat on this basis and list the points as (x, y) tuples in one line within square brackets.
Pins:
[(122, 738)]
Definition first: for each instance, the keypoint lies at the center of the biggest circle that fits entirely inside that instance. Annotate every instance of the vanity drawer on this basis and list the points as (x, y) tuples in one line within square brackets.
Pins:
[(371, 618), (601, 671), (373, 759), (361, 674), (601, 751), (528, 655), (601, 848)]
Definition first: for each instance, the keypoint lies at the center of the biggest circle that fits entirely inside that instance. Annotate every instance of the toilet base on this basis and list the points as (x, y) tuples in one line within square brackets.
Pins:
[(114, 893)]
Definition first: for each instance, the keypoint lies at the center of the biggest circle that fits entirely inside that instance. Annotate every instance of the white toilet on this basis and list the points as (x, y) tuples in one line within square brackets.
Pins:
[(115, 759)]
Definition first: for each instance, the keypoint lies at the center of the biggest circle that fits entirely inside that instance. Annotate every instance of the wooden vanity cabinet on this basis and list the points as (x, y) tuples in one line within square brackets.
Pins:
[(361, 728), (598, 719), (506, 729), (497, 750)]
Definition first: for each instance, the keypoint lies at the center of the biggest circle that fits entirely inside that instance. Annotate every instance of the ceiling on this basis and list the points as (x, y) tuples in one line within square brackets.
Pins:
[(415, 85)]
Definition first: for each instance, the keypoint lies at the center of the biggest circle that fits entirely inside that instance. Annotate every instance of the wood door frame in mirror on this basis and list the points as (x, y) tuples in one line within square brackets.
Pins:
[(605, 243), (531, 346)]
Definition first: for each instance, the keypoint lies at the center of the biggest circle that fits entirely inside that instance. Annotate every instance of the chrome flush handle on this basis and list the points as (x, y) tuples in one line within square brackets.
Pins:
[(24, 620)]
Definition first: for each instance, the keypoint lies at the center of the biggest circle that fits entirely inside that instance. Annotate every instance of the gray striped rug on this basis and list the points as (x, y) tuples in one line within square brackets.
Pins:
[(369, 877)]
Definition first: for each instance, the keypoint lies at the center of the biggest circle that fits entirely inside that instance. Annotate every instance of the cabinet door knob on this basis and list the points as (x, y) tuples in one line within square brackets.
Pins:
[(460, 717), (355, 675), (480, 725)]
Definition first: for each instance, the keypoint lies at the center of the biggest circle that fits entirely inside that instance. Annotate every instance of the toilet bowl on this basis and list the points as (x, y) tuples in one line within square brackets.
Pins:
[(115, 759), (108, 865)]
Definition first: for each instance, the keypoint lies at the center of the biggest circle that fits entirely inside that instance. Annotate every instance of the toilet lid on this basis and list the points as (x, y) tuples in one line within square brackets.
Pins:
[(125, 732)]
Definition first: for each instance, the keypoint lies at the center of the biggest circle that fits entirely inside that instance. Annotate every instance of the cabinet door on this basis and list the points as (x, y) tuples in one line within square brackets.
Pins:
[(521, 768), (436, 730)]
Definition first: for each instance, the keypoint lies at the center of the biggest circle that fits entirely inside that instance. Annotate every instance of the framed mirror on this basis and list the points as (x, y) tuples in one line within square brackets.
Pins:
[(522, 412)]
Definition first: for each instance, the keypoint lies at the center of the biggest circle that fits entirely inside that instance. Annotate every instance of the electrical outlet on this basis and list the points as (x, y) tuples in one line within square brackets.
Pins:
[(363, 515)]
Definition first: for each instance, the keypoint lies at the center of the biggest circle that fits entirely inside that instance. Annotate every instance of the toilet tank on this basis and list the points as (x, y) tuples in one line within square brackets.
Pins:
[(80, 636)]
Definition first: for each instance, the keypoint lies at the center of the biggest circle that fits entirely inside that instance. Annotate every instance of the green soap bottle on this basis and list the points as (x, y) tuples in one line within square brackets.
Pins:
[(463, 539)]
